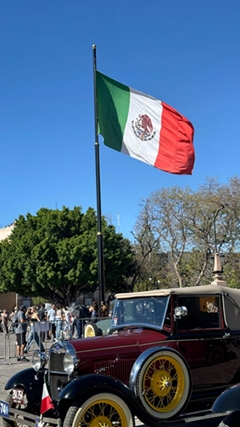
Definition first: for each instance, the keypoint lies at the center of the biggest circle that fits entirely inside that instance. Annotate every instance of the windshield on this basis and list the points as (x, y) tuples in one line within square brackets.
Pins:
[(140, 311)]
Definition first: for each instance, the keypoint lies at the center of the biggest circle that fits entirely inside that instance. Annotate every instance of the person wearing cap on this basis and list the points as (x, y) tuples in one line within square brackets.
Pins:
[(20, 331)]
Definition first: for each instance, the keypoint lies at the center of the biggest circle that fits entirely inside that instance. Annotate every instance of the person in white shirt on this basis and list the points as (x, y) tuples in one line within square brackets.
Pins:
[(67, 318), (59, 322), (51, 316)]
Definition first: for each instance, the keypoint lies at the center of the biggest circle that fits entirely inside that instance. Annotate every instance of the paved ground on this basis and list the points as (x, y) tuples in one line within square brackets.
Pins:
[(9, 364)]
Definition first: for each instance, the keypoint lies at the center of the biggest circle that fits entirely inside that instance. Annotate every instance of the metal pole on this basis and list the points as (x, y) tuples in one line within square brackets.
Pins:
[(6, 346), (101, 277)]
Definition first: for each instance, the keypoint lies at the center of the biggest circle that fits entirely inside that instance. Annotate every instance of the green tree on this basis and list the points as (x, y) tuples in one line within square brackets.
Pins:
[(151, 262), (190, 227), (54, 255)]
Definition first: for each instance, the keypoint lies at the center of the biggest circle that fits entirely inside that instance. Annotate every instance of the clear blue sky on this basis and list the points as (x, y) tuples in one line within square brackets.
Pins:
[(183, 52)]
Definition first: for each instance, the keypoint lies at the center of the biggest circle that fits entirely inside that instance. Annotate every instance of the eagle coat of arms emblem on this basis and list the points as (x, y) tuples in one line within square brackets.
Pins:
[(143, 127)]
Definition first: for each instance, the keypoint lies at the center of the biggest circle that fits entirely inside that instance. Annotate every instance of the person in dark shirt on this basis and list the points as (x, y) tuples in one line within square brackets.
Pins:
[(42, 317), (93, 310), (104, 309), (42, 313), (21, 330)]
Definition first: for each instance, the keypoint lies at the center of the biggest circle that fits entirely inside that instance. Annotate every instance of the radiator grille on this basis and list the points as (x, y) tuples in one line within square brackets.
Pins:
[(57, 375), (56, 362), (118, 368)]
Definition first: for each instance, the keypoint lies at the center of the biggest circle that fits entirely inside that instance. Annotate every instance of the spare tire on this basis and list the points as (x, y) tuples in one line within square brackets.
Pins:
[(91, 330)]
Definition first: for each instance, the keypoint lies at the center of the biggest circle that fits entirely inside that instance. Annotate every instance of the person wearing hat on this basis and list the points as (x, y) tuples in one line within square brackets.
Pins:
[(20, 331)]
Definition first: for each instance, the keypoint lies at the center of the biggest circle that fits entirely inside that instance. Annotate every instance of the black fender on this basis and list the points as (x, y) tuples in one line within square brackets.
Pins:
[(88, 385), (228, 400), (30, 380)]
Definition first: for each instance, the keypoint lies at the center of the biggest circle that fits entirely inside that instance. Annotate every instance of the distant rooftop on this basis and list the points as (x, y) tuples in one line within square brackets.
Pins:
[(6, 231)]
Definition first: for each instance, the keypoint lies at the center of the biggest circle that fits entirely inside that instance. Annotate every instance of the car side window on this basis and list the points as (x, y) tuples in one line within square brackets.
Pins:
[(203, 312)]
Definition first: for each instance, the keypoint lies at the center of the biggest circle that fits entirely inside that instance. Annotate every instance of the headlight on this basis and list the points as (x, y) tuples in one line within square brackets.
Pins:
[(70, 363), (39, 360), (180, 311)]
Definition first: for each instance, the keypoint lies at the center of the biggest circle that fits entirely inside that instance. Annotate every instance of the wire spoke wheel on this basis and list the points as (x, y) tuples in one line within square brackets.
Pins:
[(100, 410), (163, 384), (90, 330)]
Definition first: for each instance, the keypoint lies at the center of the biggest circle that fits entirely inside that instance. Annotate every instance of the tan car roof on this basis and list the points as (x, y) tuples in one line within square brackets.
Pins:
[(230, 298), (191, 290)]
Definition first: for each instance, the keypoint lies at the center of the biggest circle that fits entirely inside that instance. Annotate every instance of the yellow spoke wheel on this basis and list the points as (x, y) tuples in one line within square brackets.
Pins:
[(163, 384), (90, 330), (100, 410)]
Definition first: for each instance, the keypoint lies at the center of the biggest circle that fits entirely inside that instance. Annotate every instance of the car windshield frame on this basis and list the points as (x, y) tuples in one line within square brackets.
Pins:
[(142, 311)]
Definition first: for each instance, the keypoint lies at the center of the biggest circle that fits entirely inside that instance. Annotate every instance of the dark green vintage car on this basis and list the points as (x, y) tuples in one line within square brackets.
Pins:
[(101, 327)]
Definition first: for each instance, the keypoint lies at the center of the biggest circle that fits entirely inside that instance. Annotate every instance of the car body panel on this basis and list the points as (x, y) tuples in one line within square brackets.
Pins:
[(206, 348)]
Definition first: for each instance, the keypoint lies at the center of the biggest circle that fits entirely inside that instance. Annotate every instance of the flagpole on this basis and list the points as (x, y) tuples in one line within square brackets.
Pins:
[(101, 277)]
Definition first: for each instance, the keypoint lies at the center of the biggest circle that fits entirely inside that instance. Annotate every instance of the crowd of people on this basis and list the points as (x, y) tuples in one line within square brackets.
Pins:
[(39, 324)]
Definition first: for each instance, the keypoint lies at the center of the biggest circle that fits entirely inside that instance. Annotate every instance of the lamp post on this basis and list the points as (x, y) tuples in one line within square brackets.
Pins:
[(217, 271), (217, 266)]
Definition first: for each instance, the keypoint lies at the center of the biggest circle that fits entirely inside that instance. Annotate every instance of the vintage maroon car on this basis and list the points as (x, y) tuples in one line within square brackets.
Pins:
[(168, 352)]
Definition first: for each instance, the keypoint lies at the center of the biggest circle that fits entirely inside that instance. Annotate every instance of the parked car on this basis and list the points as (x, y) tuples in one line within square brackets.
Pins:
[(101, 327), (167, 353)]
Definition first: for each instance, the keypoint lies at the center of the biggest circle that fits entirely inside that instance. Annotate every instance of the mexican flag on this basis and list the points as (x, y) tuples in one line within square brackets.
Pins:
[(46, 402), (143, 127)]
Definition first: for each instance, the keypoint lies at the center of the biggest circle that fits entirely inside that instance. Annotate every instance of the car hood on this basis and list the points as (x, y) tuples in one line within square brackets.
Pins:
[(130, 342)]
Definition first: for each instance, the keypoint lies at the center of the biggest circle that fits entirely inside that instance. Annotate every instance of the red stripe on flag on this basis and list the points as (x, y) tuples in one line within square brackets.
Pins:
[(176, 151), (46, 402)]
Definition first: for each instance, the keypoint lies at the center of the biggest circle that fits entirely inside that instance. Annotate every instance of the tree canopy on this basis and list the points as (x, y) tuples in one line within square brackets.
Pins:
[(53, 254), (189, 227)]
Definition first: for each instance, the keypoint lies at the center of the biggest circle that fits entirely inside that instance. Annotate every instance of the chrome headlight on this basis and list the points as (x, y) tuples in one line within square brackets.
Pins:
[(70, 363), (39, 360), (180, 311)]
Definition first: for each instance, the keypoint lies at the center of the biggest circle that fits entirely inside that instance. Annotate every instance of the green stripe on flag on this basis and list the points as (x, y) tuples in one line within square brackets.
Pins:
[(113, 99)]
